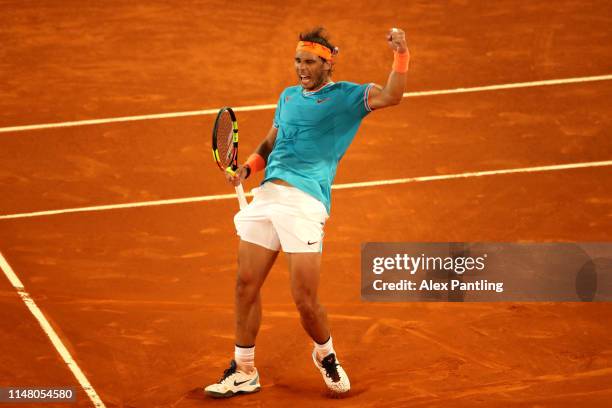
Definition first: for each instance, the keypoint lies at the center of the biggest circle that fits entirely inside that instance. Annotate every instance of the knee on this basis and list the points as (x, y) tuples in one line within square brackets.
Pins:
[(246, 288), (306, 306)]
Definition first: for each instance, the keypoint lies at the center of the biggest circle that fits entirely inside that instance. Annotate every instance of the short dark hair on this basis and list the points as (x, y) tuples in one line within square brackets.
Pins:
[(321, 36)]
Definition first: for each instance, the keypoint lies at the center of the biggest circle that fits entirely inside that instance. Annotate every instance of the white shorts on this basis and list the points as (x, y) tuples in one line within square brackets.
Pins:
[(282, 217)]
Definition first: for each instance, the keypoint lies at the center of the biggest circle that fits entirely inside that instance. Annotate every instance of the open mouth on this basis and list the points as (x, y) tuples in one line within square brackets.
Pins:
[(305, 79)]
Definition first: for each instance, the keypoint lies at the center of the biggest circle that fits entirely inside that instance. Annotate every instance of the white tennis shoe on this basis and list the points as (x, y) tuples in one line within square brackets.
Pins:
[(234, 382), (333, 374)]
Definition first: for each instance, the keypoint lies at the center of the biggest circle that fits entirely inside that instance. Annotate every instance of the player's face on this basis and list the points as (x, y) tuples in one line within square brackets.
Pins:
[(312, 72)]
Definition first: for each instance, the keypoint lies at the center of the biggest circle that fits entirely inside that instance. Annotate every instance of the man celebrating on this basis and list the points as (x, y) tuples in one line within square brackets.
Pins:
[(314, 124)]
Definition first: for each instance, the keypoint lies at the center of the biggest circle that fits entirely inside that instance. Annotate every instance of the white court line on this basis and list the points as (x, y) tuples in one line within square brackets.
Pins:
[(48, 329), (536, 169), (273, 106)]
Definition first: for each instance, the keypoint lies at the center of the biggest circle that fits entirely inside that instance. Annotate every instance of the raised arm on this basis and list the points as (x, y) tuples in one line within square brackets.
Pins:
[(393, 91), (263, 151)]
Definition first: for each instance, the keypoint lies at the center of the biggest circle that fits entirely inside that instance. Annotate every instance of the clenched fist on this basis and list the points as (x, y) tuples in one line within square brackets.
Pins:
[(397, 40)]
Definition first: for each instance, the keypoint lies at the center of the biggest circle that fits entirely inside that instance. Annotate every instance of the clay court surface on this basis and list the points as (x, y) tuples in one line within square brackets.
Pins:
[(142, 296)]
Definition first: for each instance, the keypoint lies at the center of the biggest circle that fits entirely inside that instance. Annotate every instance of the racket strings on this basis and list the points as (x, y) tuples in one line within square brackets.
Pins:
[(225, 140)]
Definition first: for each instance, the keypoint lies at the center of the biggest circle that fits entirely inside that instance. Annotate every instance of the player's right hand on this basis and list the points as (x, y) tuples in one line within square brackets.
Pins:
[(237, 177)]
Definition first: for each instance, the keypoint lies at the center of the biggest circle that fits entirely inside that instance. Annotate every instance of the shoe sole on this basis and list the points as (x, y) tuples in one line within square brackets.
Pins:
[(230, 394)]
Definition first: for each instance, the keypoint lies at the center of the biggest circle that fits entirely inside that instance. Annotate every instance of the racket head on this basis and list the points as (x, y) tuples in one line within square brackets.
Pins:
[(225, 139)]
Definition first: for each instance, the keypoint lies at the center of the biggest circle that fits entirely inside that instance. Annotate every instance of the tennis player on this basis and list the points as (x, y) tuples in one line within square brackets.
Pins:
[(313, 126)]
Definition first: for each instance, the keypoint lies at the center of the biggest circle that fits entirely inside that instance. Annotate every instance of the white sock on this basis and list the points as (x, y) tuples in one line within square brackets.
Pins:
[(245, 358), (325, 349)]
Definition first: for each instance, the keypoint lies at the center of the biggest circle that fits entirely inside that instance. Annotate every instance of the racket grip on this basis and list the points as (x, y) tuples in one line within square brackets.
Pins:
[(241, 197)]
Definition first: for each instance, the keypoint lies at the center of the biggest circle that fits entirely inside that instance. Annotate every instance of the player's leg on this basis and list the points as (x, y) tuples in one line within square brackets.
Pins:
[(304, 274), (254, 264), (257, 251), (304, 270), (299, 220)]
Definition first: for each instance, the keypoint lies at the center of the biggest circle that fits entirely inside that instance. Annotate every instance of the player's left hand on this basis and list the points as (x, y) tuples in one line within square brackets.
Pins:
[(236, 177), (397, 40)]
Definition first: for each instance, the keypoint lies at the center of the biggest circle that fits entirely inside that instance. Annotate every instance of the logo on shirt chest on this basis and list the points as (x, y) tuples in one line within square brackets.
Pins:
[(322, 100)]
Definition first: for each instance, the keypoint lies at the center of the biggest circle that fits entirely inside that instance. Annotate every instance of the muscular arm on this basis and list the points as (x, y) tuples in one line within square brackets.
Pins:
[(391, 94), (393, 91)]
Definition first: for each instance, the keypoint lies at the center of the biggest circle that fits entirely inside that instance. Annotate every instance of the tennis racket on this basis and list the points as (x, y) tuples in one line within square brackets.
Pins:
[(225, 146)]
